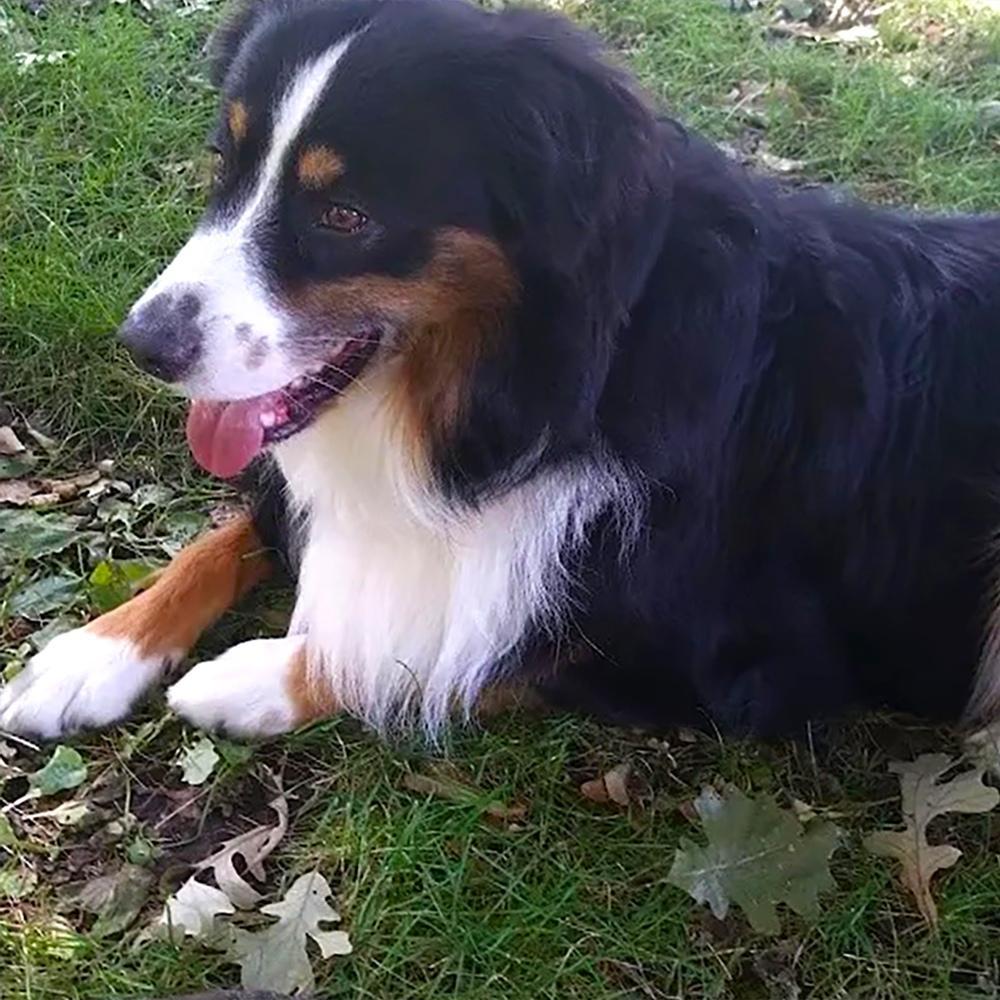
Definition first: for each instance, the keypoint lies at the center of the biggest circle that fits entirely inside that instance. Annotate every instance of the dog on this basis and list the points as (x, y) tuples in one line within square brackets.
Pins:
[(540, 392)]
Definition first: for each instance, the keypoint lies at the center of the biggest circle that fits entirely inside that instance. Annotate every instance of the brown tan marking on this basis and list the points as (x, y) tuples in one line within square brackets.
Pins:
[(203, 580), (239, 120), (450, 313), (319, 166), (309, 690)]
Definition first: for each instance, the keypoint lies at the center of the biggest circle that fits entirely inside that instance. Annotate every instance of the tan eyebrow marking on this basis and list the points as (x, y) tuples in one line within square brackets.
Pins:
[(238, 119), (319, 166)]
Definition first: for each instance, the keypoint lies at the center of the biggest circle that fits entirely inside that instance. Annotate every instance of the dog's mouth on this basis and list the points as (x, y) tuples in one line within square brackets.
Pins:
[(225, 436)]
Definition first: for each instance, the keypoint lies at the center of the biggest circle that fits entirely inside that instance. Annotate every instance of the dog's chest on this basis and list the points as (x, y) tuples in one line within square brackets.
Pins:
[(407, 604)]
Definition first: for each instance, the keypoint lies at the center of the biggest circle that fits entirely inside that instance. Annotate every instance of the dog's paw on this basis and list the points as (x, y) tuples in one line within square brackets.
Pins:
[(244, 692), (80, 680)]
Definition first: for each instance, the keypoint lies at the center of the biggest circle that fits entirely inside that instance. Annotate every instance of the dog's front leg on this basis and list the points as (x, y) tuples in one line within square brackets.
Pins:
[(93, 675), (258, 688)]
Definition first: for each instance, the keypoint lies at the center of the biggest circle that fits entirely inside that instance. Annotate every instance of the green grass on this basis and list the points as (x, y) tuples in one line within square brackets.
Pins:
[(100, 182)]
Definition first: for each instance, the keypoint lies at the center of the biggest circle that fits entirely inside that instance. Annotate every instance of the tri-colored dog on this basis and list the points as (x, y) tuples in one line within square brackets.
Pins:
[(540, 389)]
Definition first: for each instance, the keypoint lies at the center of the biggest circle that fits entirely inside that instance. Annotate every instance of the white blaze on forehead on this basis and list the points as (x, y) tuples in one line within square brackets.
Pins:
[(296, 105), (219, 264)]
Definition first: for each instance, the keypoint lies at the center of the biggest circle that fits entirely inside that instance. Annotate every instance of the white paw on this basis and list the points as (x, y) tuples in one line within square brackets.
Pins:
[(244, 692), (79, 681)]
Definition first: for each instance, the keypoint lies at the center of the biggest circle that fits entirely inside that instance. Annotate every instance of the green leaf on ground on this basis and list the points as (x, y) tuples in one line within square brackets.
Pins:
[(152, 495), (757, 856), (66, 769), (113, 582), (26, 534), (198, 762), (15, 466), (116, 899), (41, 638), (42, 597), (924, 797), (276, 958), (17, 882), (7, 836)]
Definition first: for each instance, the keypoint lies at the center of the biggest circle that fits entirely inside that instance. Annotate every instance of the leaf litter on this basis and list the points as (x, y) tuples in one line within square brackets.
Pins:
[(198, 762), (275, 957), (443, 781), (253, 848), (757, 856), (610, 787), (925, 796)]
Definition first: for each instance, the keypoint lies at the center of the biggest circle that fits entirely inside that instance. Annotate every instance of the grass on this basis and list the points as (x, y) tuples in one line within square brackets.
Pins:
[(100, 177)]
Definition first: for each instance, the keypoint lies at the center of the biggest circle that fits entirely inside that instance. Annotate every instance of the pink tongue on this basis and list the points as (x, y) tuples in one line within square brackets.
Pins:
[(224, 437)]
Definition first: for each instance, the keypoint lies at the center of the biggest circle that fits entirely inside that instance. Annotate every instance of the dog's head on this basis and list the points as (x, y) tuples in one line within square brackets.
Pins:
[(408, 183)]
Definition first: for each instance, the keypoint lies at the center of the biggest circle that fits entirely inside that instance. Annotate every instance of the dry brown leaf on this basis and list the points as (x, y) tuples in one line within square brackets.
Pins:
[(924, 797), (610, 787), (17, 492), (443, 784), (253, 847), (36, 492), (10, 444), (50, 444)]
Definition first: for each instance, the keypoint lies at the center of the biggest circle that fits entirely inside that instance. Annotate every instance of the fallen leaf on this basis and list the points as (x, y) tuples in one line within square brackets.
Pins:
[(116, 899), (49, 444), (198, 762), (757, 856), (113, 582), (17, 492), (276, 958), (141, 852), (17, 882), (253, 847), (778, 164), (68, 814), (43, 636), (179, 528), (925, 797), (10, 444), (152, 495), (41, 597), (7, 836), (66, 769), (15, 466), (234, 754), (32, 492), (192, 910), (445, 784), (610, 787), (27, 535)]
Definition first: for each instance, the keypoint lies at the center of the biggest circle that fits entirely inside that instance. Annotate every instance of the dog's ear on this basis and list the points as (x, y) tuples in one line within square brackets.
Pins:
[(226, 41), (570, 145), (579, 179)]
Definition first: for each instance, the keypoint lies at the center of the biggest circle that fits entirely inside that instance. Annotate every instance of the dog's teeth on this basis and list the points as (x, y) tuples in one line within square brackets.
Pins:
[(268, 418)]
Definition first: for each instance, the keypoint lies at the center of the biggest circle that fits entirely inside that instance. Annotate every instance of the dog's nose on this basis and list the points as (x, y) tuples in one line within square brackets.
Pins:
[(164, 336)]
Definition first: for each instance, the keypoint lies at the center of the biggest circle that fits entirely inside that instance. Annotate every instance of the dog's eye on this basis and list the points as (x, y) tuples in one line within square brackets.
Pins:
[(343, 219)]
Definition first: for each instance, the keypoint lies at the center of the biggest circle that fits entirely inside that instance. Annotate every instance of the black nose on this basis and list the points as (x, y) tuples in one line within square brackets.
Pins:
[(164, 337)]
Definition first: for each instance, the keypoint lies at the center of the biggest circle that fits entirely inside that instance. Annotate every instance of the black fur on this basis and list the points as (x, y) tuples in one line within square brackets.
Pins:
[(807, 389)]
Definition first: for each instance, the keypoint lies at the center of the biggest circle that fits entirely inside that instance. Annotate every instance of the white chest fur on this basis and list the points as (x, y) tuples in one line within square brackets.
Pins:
[(407, 605)]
